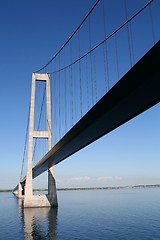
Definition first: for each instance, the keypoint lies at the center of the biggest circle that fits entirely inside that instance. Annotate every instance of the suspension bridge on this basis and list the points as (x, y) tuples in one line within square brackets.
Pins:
[(100, 78)]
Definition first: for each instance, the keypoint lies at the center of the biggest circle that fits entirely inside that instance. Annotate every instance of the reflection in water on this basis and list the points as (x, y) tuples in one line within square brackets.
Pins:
[(39, 223)]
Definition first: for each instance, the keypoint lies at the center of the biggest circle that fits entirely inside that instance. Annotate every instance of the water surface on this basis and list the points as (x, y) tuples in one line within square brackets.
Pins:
[(85, 214)]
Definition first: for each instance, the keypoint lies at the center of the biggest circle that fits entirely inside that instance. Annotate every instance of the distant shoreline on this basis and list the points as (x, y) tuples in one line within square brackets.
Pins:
[(109, 188), (93, 188)]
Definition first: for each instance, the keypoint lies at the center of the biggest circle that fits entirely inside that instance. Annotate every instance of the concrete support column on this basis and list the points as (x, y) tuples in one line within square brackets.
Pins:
[(48, 107), (52, 192), (20, 190), (29, 186)]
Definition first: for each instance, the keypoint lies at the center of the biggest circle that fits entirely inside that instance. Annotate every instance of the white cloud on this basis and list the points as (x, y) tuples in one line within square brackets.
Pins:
[(108, 178), (87, 178)]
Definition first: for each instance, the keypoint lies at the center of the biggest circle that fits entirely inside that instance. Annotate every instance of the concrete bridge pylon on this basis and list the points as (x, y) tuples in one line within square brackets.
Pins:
[(50, 199)]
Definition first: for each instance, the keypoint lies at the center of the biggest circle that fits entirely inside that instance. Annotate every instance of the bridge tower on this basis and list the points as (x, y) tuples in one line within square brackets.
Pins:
[(50, 199)]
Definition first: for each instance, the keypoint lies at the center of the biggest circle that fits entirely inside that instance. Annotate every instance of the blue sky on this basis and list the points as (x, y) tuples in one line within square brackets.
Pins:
[(31, 33)]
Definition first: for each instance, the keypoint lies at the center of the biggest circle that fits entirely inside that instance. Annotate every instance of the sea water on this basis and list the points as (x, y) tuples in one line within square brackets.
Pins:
[(132, 213)]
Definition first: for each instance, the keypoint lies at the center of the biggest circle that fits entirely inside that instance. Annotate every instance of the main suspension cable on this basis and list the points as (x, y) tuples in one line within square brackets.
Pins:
[(104, 40), (70, 37)]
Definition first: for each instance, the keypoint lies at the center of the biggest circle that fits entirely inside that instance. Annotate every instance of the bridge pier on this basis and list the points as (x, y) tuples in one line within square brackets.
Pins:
[(20, 191), (41, 200)]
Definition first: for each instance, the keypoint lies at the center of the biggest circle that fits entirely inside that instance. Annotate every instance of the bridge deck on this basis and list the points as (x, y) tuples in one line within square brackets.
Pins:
[(136, 91)]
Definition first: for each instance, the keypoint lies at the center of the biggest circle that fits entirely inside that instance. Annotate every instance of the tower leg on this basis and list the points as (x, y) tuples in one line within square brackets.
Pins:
[(20, 195), (52, 192)]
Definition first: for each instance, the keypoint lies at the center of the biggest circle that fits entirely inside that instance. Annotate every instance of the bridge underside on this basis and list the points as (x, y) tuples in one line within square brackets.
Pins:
[(135, 92)]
